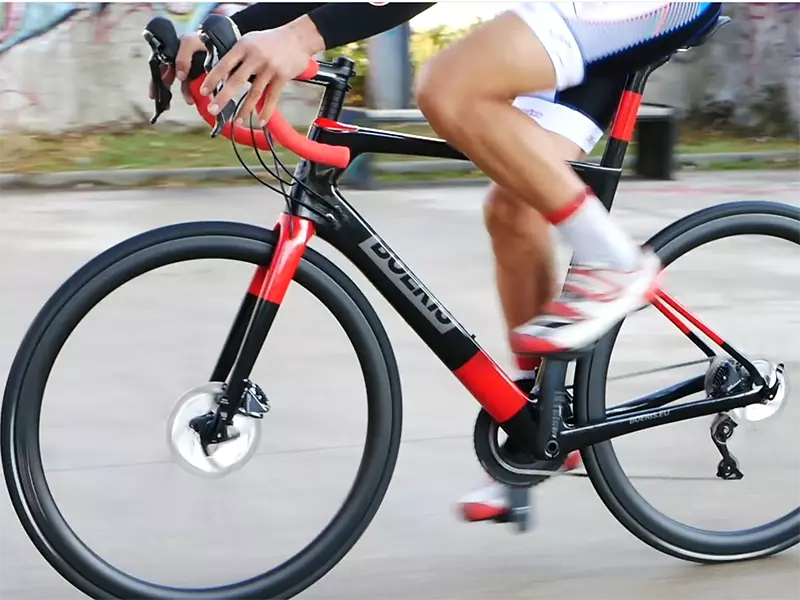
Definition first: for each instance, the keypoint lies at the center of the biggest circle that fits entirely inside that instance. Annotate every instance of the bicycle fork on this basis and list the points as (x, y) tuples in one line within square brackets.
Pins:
[(257, 313)]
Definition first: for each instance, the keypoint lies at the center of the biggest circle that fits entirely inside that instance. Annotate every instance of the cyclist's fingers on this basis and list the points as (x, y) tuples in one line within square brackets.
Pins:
[(222, 70), (167, 75), (271, 98), (235, 84), (190, 44), (257, 89), (187, 95)]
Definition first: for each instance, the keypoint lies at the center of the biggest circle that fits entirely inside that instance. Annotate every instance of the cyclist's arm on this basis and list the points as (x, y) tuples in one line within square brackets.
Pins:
[(338, 23), (269, 15)]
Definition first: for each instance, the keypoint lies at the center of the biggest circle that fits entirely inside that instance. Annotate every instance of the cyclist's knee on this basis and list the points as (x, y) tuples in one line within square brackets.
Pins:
[(453, 88), (438, 97), (507, 217)]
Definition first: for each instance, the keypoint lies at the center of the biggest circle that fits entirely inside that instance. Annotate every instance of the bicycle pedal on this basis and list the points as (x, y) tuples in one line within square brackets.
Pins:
[(520, 508)]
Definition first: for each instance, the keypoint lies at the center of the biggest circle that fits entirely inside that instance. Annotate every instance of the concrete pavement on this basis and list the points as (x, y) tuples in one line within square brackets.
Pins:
[(146, 344)]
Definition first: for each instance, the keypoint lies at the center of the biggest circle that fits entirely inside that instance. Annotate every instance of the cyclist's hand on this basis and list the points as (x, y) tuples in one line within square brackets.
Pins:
[(190, 44), (273, 57)]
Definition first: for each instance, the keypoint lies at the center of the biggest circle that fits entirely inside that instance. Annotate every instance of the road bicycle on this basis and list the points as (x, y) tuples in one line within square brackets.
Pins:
[(214, 427)]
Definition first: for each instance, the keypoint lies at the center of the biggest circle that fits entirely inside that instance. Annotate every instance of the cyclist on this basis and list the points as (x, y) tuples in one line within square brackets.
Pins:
[(519, 95)]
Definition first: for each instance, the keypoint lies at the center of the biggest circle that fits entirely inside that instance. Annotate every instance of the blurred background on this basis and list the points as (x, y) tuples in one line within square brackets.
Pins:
[(73, 83)]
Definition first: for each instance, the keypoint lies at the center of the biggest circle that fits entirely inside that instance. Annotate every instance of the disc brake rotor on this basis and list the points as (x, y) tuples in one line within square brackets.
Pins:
[(213, 460)]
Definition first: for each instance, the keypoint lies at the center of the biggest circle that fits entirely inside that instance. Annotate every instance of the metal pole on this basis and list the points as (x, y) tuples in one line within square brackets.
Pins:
[(390, 68)]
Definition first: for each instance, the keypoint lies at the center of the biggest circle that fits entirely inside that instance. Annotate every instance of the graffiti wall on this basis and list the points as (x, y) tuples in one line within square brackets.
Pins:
[(749, 73), (74, 65), (68, 66)]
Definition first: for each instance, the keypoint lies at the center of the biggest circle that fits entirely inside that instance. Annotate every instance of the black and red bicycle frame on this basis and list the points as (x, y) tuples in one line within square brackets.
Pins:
[(318, 208)]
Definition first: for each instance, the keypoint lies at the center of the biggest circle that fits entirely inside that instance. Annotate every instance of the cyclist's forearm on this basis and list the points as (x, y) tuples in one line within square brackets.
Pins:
[(341, 23), (338, 23), (269, 15)]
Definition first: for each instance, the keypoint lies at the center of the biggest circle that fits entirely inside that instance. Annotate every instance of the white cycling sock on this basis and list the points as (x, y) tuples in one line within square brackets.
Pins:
[(594, 237)]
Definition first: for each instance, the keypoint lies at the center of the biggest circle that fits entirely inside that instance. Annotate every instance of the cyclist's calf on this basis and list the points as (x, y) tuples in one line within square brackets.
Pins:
[(523, 256)]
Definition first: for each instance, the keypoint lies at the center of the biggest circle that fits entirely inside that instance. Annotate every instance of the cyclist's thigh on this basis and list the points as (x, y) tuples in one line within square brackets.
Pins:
[(579, 114), (601, 38)]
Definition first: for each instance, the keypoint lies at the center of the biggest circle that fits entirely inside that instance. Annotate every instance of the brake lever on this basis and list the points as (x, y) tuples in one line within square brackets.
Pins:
[(224, 117), (229, 110), (163, 95), (163, 41)]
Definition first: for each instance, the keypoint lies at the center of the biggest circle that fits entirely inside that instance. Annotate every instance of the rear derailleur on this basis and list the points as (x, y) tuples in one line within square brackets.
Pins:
[(721, 431), (723, 378)]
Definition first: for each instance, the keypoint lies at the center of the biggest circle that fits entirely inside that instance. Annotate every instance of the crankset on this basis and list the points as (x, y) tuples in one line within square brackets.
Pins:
[(520, 471), (505, 463)]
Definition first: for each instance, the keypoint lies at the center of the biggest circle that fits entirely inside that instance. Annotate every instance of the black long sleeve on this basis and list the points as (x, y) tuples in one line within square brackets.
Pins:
[(341, 23), (338, 23), (269, 15)]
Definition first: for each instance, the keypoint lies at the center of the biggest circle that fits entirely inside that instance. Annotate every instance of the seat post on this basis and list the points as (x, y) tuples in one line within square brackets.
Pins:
[(625, 119)]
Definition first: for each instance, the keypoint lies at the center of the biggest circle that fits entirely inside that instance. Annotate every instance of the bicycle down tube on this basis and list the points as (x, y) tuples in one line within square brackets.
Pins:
[(320, 209)]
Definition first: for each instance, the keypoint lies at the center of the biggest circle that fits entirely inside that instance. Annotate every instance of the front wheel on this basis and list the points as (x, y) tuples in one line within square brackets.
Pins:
[(771, 221), (22, 402)]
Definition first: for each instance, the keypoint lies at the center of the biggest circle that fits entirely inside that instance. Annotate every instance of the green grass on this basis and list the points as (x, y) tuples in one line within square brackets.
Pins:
[(157, 148)]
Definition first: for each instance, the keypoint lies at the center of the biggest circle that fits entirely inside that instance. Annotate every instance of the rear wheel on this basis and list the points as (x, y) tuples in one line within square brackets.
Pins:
[(602, 463), (22, 403)]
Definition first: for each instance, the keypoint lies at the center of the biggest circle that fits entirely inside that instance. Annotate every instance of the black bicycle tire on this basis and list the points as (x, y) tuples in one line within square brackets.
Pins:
[(27, 485), (605, 472)]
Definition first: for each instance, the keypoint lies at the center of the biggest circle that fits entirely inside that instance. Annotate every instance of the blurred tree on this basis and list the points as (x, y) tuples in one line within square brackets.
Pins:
[(357, 52), (424, 46)]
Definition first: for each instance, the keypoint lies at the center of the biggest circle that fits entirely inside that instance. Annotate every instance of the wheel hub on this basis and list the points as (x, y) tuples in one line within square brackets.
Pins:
[(187, 434), (775, 380)]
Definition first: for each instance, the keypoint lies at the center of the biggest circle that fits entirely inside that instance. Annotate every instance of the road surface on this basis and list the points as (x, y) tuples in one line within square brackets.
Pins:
[(109, 465)]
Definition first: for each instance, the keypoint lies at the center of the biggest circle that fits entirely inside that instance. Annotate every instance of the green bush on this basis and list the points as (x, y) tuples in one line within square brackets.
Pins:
[(356, 52)]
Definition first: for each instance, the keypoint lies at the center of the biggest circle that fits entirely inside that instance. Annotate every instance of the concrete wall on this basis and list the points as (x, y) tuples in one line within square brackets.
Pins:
[(732, 77), (68, 66)]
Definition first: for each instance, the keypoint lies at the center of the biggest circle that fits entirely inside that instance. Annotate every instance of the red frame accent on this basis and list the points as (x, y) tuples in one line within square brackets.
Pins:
[(625, 119), (663, 298), (664, 310), (270, 283), (491, 387), (257, 282), (332, 125)]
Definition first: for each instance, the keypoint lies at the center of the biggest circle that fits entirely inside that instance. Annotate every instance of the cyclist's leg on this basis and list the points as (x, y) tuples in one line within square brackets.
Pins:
[(575, 121), (466, 94), (524, 261), (523, 258)]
